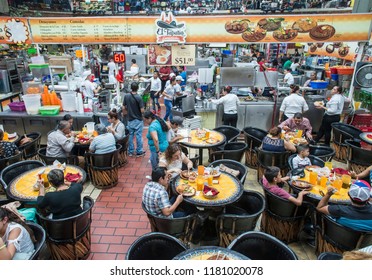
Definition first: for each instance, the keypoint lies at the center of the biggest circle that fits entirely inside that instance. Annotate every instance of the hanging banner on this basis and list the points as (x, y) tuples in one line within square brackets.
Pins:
[(14, 31), (196, 29), (346, 51), (183, 55)]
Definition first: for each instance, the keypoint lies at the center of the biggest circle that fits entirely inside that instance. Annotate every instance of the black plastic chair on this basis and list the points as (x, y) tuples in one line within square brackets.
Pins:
[(342, 132), (181, 228), (123, 153), (313, 159), (30, 149), (40, 236), (103, 168), (243, 170), (282, 218), (69, 238), (12, 171), (4, 162), (231, 133), (48, 160), (329, 256), (239, 217), (155, 246), (261, 246), (323, 152), (358, 159), (253, 138), (336, 238), (268, 158), (232, 150)]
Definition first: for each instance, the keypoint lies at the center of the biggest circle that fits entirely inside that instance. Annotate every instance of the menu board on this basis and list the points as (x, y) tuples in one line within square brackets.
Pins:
[(183, 55), (14, 31), (79, 30)]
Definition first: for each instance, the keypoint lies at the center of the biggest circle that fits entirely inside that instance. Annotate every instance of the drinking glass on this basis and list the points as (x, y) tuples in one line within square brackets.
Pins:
[(207, 134), (323, 181), (44, 177), (346, 181), (299, 133), (337, 184), (6, 136), (313, 178), (328, 164), (201, 170), (199, 183), (210, 180)]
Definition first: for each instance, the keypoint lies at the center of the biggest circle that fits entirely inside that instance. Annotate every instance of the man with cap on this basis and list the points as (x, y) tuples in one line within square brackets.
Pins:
[(358, 215), (177, 87), (173, 125), (88, 87)]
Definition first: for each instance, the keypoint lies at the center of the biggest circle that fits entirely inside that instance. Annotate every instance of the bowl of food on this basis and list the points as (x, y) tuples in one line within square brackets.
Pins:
[(192, 179), (209, 192), (215, 173), (186, 190)]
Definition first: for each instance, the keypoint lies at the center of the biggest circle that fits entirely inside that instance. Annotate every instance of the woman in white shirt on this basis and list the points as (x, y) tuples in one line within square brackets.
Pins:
[(168, 98), (333, 110), (294, 66), (230, 106), (117, 128), (292, 104), (16, 238), (173, 159)]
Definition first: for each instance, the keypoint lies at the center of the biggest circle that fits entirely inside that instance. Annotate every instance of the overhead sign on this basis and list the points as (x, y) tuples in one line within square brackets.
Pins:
[(169, 30), (346, 51), (171, 55), (14, 31)]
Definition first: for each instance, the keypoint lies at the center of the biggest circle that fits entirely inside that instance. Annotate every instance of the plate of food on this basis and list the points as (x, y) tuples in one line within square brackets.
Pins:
[(219, 257), (304, 25), (299, 141), (211, 141), (215, 173), (302, 184), (12, 135), (236, 26), (185, 174), (186, 190), (254, 35), (270, 24), (209, 192), (322, 32), (285, 35), (73, 177), (318, 103)]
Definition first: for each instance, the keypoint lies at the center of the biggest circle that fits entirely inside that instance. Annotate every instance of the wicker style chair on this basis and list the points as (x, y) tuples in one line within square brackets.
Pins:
[(4, 162), (267, 158), (155, 246), (103, 168), (239, 217), (40, 236), (30, 149), (123, 153), (342, 132), (243, 170), (261, 246), (358, 159), (181, 228), (233, 151), (282, 218), (231, 133), (323, 152), (48, 160), (334, 237), (69, 238), (253, 138)]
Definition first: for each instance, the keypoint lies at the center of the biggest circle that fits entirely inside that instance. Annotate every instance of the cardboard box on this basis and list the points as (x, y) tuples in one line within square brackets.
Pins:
[(61, 61)]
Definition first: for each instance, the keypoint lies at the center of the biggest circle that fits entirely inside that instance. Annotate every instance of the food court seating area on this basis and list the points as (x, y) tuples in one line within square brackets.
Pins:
[(115, 224)]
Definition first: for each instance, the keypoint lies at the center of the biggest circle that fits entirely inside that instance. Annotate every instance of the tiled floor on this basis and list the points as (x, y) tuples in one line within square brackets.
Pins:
[(118, 219)]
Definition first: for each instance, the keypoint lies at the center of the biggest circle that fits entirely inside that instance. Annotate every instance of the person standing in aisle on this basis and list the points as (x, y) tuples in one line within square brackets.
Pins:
[(164, 73), (168, 98), (112, 71), (134, 108), (230, 106), (333, 110), (292, 104), (182, 72), (155, 88)]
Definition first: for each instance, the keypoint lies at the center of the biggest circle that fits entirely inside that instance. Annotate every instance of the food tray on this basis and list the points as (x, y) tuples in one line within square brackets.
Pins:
[(49, 110), (18, 106), (319, 85)]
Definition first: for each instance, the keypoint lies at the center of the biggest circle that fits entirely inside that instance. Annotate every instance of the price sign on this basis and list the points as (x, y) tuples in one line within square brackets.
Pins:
[(184, 61), (183, 55), (119, 56)]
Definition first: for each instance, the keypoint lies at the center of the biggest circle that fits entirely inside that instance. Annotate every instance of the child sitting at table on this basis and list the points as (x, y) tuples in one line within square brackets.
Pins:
[(272, 178), (301, 160)]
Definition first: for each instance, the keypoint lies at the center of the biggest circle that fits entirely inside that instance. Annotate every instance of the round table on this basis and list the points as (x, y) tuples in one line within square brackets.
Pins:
[(364, 137), (215, 139), (210, 253), (229, 187), (21, 188)]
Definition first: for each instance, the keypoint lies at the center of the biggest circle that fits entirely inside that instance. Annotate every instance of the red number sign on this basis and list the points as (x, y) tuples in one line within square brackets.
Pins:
[(119, 57)]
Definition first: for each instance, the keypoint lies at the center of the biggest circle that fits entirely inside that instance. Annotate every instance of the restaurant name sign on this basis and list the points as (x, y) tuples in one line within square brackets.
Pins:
[(169, 30)]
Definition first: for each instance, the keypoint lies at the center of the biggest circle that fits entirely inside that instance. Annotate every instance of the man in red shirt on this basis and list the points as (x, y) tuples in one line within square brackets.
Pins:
[(261, 62), (164, 73)]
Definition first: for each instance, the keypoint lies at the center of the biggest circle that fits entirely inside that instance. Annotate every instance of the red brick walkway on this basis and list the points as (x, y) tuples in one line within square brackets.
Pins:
[(118, 218)]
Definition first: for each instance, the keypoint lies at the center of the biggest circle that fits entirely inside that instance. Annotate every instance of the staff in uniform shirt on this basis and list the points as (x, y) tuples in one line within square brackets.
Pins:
[(288, 77), (112, 71), (168, 98), (88, 87), (292, 104), (230, 106), (333, 110), (155, 88)]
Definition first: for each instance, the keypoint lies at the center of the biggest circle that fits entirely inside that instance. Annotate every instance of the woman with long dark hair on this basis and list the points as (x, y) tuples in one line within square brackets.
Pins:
[(156, 135)]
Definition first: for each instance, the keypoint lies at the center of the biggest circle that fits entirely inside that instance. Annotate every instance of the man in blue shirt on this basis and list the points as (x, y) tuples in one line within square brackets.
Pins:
[(104, 142)]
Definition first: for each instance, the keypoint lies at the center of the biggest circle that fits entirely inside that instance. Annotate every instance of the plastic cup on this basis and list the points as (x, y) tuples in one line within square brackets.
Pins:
[(346, 181), (207, 134), (323, 181), (210, 180), (337, 184), (299, 133), (199, 183), (328, 164), (6, 136), (44, 177), (313, 178), (201, 170)]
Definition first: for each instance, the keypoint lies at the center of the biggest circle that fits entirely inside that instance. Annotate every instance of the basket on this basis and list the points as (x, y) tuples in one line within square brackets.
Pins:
[(319, 85), (333, 70), (362, 120), (328, 73), (345, 71), (17, 106), (49, 110), (334, 77)]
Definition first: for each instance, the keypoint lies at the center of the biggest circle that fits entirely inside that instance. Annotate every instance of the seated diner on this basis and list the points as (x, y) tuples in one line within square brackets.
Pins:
[(7, 149), (298, 122), (173, 159), (274, 143), (117, 128), (104, 142), (58, 144)]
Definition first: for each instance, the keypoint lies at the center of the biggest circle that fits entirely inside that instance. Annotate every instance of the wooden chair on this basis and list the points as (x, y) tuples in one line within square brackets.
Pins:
[(30, 149), (123, 153), (181, 228), (40, 236), (358, 159), (155, 246), (239, 217), (69, 238), (253, 138), (325, 153), (261, 246), (103, 168), (342, 132), (243, 170), (267, 158), (232, 150), (334, 237), (282, 218), (48, 160)]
